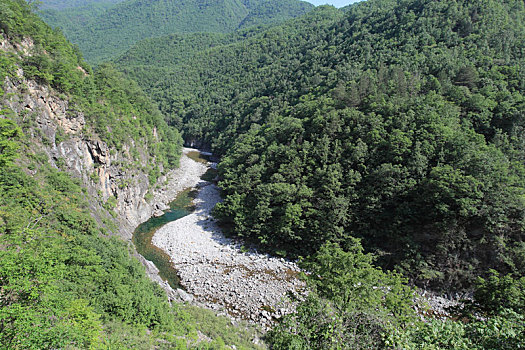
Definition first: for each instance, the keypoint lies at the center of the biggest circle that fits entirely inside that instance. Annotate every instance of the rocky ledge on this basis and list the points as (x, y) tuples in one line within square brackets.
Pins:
[(219, 274)]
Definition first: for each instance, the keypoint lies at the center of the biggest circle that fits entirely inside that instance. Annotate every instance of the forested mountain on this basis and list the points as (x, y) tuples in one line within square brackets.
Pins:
[(398, 122), (397, 125), (103, 31), (63, 4), (383, 143)]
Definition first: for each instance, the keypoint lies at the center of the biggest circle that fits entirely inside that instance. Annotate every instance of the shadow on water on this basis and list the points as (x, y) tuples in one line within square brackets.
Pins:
[(198, 157), (210, 175), (180, 207)]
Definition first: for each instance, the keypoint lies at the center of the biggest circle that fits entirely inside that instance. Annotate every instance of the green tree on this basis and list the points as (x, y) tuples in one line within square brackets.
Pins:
[(353, 305)]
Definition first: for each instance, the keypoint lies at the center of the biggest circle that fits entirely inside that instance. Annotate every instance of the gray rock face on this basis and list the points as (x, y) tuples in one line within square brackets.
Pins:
[(61, 133), (184, 296), (87, 158)]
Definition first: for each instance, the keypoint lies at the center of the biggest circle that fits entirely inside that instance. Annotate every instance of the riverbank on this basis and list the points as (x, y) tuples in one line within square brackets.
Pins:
[(187, 175), (217, 272)]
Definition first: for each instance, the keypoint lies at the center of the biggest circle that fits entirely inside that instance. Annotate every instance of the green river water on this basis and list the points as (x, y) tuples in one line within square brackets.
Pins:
[(180, 207)]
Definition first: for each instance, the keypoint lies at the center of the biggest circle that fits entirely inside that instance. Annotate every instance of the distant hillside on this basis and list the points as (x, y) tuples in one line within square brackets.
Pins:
[(63, 4), (267, 12), (102, 30)]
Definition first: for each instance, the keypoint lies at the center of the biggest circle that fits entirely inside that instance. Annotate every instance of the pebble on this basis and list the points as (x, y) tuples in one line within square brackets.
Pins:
[(218, 274)]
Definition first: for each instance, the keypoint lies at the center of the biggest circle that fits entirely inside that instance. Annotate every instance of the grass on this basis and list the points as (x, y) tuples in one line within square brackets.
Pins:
[(220, 327)]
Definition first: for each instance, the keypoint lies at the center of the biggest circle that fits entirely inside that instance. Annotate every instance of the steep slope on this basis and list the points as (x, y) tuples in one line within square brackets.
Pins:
[(79, 151), (224, 71), (396, 122), (401, 123), (102, 32), (57, 268), (269, 12)]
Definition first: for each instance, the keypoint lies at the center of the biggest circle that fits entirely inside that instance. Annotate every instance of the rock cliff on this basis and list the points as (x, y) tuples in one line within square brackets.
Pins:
[(118, 187)]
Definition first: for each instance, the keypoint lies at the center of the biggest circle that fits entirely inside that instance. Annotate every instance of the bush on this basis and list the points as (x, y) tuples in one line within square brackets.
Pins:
[(353, 306)]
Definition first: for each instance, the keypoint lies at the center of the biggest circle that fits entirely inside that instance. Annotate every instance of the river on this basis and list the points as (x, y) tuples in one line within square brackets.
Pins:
[(191, 252), (179, 208)]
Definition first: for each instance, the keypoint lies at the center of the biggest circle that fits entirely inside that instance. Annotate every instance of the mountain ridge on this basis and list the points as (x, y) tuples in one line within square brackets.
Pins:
[(104, 30)]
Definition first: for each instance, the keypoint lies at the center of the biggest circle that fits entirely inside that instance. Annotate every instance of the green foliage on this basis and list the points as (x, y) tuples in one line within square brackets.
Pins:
[(505, 331), (351, 281), (7, 65), (104, 30), (494, 319), (53, 60), (357, 306), (317, 324), (271, 12), (127, 113), (496, 293), (225, 82), (62, 280), (62, 4), (111, 203), (222, 330), (55, 264), (398, 122), (15, 18), (9, 134), (353, 306)]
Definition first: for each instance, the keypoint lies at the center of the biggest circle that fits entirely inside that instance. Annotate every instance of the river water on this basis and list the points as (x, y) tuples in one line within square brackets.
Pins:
[(179, 208)]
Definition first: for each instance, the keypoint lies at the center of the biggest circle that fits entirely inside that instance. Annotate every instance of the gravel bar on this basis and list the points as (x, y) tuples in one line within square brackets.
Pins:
[(218, 273)]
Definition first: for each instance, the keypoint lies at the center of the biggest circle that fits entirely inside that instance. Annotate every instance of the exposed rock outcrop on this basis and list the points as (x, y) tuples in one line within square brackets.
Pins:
[(60, 130), (56, 128)]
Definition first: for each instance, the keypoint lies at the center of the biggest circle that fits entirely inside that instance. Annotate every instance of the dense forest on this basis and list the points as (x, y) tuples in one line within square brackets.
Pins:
[(103, 30), (403, 131), (63, 4)]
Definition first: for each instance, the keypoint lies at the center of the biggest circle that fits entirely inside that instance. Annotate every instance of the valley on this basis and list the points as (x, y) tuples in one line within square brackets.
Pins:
[(362, 156)]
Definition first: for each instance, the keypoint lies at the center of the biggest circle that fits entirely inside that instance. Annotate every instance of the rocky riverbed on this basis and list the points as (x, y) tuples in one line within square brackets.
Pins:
[(187, 175), (218, 273)]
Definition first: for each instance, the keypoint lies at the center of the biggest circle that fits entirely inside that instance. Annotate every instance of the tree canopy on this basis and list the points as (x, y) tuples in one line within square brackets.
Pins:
[(398, 122)]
